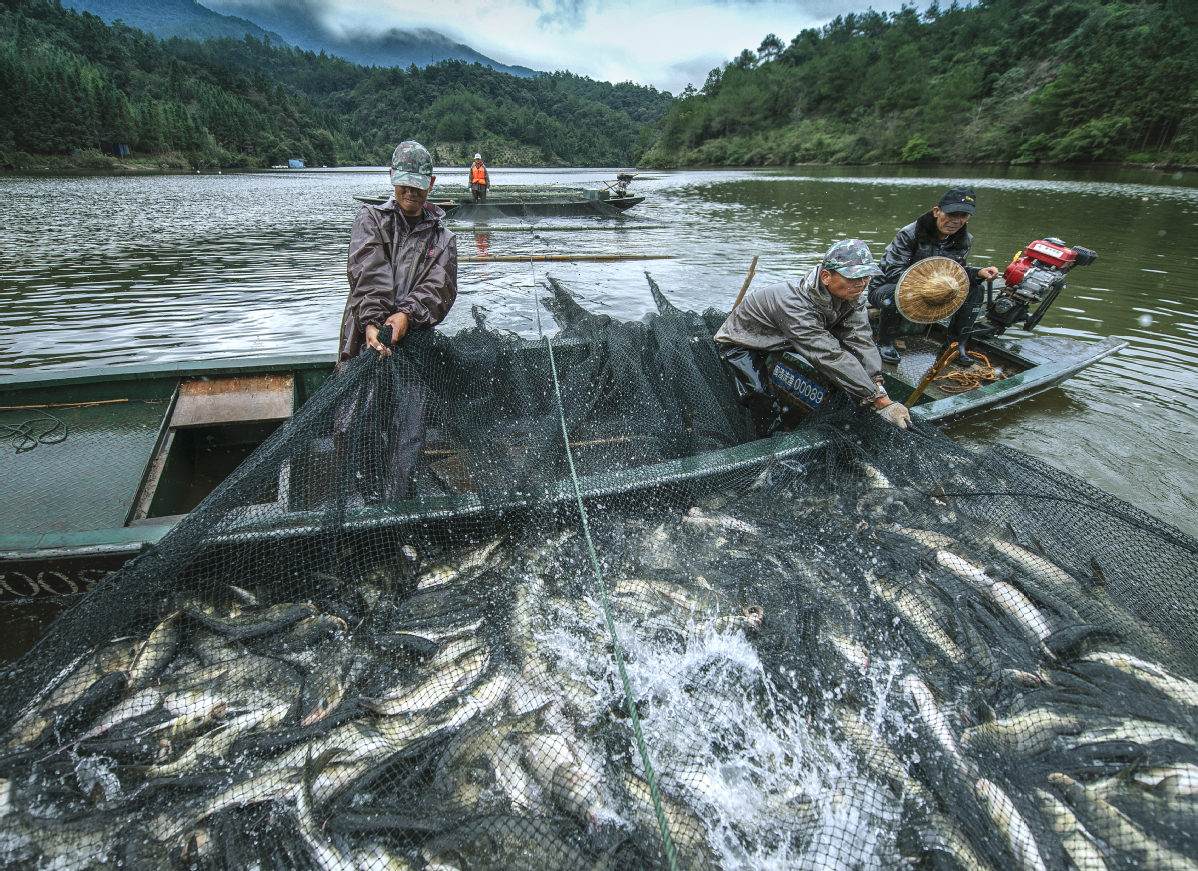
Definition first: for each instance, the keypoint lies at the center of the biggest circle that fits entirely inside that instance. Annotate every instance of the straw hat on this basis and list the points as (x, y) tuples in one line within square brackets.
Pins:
[(931, 290)]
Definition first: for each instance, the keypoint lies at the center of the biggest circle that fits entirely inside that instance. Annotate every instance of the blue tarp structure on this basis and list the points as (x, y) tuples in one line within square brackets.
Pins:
[(295, 164)]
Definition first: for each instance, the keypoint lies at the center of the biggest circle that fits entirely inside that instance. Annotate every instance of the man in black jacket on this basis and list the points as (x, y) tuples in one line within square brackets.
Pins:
[(938, 233)]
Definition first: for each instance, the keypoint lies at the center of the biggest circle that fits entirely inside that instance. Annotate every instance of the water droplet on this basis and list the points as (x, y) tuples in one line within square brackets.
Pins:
[(1145, 320)]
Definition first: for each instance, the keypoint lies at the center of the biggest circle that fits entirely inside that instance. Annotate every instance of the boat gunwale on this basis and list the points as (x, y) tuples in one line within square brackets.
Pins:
[(131, 539)]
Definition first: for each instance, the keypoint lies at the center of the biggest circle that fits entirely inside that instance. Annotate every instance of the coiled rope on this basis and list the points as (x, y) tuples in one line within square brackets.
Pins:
[(965, 380), (650, 777), (45, 429)]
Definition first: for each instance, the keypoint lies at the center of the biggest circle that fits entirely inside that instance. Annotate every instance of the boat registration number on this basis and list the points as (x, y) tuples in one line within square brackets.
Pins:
[(799, 386)]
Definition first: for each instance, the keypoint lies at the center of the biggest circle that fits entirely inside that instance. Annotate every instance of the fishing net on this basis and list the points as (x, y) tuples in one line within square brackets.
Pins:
[(497, 604)]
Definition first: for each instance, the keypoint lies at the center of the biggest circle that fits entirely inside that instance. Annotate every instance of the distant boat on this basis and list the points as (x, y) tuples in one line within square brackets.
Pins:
[(523, 201)]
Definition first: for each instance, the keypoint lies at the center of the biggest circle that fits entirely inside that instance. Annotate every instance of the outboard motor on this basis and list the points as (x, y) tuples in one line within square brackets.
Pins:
[(1033, 280)]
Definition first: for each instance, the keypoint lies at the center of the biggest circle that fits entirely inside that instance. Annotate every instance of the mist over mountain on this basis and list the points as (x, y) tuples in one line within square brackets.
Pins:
[(301, 23), (185, 19), (293, 23)]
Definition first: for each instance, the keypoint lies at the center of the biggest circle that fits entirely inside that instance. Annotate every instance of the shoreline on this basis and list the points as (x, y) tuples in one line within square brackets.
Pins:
[(175, 164)]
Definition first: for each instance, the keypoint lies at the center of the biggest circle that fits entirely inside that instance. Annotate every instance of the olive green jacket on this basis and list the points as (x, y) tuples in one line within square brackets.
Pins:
[(833, 335)]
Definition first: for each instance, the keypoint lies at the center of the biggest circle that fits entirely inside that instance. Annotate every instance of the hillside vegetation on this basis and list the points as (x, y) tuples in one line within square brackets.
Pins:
[(1002, 80), (71, 85)]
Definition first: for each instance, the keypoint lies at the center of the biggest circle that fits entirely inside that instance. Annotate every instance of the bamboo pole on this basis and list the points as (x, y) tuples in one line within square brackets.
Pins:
[(564, 258), (748, 281), (936, 367), (556, 229)]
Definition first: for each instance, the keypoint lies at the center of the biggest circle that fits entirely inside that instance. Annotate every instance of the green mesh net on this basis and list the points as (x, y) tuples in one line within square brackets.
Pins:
[(391, 641)]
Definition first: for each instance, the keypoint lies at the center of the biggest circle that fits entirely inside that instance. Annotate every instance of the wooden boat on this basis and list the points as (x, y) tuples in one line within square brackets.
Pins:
[(146, 443), (529, 202)]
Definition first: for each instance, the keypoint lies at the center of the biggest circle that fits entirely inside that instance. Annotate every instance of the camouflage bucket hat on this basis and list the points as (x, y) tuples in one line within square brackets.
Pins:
[(412, 166), (851, 258)]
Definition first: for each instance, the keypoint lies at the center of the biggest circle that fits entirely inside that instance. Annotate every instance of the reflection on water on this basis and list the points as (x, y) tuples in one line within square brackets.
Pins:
[(160, 268)]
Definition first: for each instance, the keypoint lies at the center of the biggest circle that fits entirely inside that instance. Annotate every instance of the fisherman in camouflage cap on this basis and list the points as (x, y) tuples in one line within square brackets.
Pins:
[(403, 274), (403, 262), (821, 318)]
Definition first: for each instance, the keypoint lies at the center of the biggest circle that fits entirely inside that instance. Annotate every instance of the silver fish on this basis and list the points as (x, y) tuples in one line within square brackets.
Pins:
[(1181, 689), (157, 653), (1011, 823), (1113, 826), (1077, 842), (931, 714), (572, 774), (460, 568), (1025, 734)]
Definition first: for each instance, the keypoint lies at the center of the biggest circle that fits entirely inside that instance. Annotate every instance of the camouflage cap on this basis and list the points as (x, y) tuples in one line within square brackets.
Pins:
[(851, 258), (412, 166)]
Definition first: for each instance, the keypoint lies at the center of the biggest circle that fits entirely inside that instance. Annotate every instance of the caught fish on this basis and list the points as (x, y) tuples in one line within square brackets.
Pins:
[(928, 538), (1010, 822), (1113, 826), (1083, 852), (572, 775), (1180, 780), (442, 685), (325, 683), (501, 843), (460, 569), (254, 623), (688, 831), (918, 613), (1131, 730), (718, 522), (1181, 689), (157, 652), (964, 569), (931, 714), (1026, 734)]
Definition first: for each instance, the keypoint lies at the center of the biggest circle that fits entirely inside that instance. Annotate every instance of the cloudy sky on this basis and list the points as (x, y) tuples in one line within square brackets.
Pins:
[(666, 43)]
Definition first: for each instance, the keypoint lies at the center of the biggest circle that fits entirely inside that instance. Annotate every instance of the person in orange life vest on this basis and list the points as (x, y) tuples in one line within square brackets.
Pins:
[(479, 180)]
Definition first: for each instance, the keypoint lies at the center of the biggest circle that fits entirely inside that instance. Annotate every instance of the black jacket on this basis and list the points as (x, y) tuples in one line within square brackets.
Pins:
[(920, 240)]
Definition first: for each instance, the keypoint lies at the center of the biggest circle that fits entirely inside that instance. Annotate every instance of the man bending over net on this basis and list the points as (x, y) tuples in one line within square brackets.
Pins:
[(822, 318)]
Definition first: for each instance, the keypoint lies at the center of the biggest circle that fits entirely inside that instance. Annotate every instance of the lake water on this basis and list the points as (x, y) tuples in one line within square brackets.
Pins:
[(101, 270)]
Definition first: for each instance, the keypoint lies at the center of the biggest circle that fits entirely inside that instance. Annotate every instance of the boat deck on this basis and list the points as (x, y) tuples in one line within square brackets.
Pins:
[(84, 482)]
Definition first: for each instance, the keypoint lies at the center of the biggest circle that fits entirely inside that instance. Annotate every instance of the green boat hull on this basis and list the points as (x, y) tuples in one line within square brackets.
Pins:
[(146, 443)]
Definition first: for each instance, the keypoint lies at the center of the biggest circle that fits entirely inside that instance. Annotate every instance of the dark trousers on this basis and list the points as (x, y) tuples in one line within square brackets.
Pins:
[(751, 379), (379, 433), (478, 193), (882, 295), (966, 316)]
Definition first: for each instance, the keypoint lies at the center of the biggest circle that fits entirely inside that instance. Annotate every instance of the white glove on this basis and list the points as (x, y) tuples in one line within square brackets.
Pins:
[(896, 413)]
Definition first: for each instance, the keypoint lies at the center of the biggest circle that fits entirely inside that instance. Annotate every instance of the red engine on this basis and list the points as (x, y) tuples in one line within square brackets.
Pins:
[(1047, 252), (1034, 278)]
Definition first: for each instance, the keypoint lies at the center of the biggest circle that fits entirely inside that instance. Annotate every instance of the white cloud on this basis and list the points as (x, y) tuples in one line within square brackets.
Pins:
[(666, 43)]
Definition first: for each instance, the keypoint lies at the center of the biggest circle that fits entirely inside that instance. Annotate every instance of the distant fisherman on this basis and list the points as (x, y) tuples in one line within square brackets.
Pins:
[(938, 233), (480, 180), (403, 262), (822, 318)]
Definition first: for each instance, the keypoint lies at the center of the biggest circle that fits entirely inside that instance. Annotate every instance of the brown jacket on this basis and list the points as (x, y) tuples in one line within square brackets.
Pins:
[(393, 269)]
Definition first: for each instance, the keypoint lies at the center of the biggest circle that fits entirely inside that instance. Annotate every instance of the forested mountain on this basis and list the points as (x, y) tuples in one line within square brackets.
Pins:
[(166, 18), (1001, 80), (70, 83), (286, 24)]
